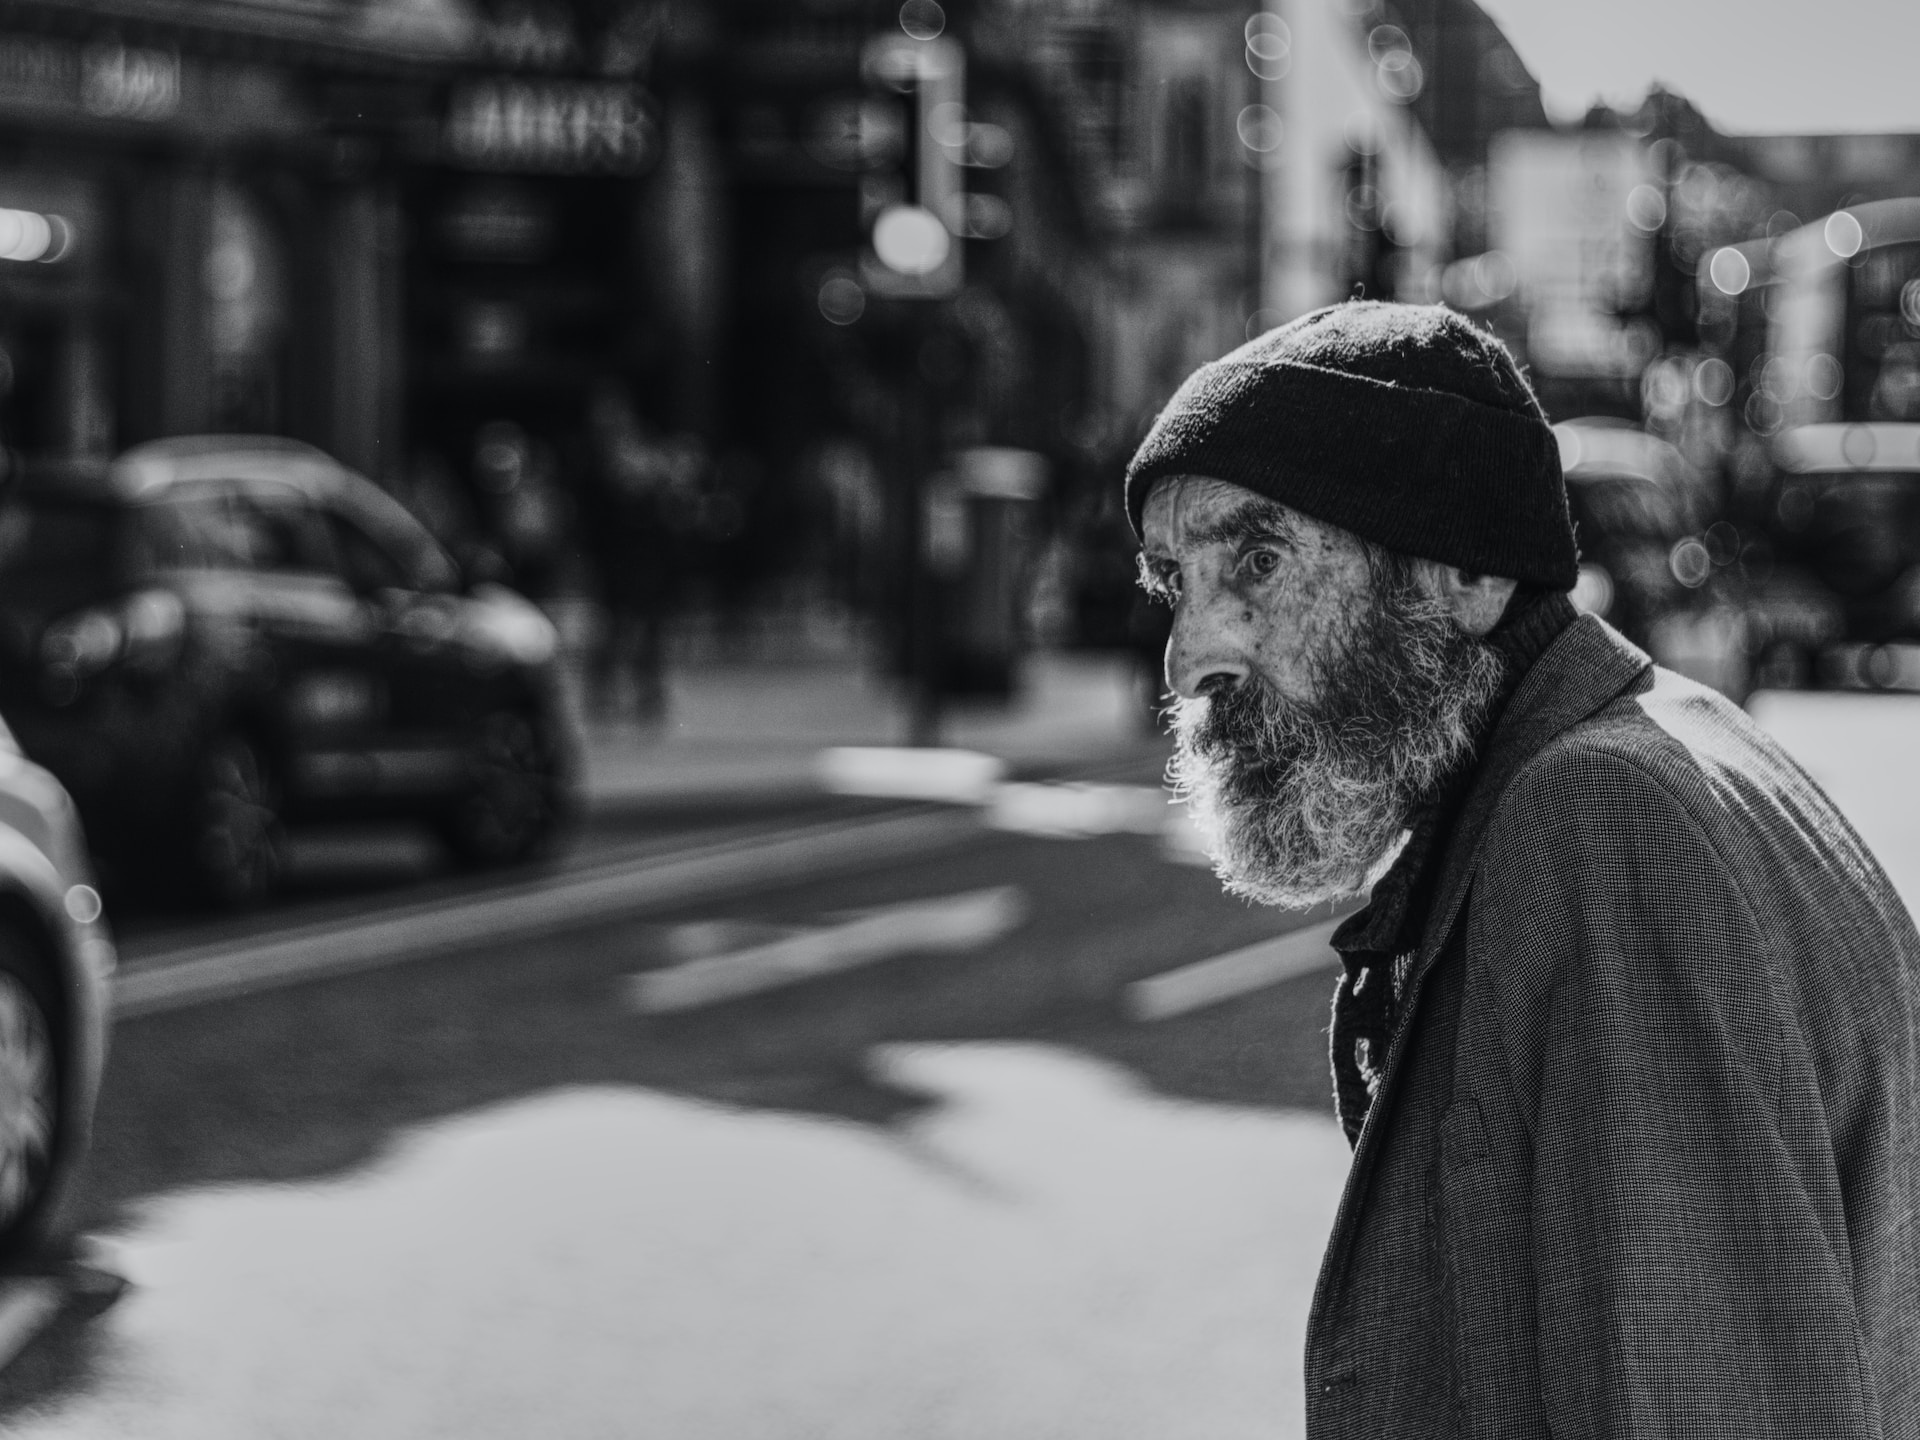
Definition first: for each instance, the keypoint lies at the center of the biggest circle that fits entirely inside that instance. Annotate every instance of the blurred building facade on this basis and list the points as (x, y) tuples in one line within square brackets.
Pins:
[(599, 286), (201, 215)]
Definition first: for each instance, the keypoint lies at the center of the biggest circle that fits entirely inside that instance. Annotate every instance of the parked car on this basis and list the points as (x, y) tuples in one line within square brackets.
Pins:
[(1654, 561), (56, 958), (213, 637)]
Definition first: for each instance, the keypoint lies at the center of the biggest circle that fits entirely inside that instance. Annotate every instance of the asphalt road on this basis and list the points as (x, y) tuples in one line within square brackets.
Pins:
[(566, 1213)]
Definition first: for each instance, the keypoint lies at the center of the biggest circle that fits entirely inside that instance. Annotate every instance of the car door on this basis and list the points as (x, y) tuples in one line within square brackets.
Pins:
[(412, 592), (326, 689)]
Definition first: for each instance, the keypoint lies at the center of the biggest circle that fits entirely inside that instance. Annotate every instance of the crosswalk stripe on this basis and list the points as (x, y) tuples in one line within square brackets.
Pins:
[(537, 909), (1238, 972), (952, 924)]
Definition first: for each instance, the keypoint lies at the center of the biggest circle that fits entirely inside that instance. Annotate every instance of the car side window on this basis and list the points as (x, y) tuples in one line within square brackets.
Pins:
[(285, 534), (195, 528)]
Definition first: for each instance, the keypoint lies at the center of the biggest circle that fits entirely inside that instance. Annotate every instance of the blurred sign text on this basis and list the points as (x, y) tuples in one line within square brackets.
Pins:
[(110, 81), (566, 126)]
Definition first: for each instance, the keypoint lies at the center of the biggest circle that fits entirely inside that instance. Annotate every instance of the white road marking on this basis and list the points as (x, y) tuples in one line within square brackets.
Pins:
[(1076, 810), (536, 908), (953, 923), (1239, 972), (961, 777), (1181, 841), (26, 1305)]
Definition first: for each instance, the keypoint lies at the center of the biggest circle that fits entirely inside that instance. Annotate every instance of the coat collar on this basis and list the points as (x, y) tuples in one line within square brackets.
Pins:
[(1581, 672), (1589, 665)]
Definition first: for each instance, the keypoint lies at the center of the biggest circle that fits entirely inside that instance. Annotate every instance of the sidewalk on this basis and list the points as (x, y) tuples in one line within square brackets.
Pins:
[(754, 731)]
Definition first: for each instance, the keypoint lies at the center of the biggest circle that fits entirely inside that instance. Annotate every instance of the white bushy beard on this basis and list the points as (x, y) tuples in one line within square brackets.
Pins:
[(1302, 804)]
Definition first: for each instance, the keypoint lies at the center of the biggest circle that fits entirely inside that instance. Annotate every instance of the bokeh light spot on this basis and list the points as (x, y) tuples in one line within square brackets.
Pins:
[(83, 904), (911, 240), (1400, 77), (1713, 381), (1824, 377), (1385, 40), (1495, 274), (947, 124), (922, 19), (1646, 208), (988, 217), (1690, 562), (1844, 235), (1730, 271), (1269, 46), (27, 235), (1261, 130), (841, 299), (1593, 590)]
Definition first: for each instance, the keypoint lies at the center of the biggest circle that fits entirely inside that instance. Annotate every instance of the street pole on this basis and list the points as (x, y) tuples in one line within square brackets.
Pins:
[(922, 595)]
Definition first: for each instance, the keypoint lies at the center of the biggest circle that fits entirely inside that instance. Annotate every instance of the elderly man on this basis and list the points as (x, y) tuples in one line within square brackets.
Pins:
[(1625, 1039)]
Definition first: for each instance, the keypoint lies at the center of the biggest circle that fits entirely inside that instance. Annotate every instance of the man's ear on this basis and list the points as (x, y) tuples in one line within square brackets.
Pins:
[(1476, 601)]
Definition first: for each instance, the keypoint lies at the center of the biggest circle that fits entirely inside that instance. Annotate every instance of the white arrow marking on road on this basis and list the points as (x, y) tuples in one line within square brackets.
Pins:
[(952, 924), (1239, 972)]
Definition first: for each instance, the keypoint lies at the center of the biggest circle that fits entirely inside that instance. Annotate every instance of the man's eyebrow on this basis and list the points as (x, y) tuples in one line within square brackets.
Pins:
[(1250, 519)]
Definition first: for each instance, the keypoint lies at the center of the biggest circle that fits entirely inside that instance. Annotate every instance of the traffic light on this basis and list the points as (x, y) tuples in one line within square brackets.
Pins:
[(913, 203)]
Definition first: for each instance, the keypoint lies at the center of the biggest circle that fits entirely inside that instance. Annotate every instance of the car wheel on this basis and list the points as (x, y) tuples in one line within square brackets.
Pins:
[(237, 844), (513, 796), (31, 1054)]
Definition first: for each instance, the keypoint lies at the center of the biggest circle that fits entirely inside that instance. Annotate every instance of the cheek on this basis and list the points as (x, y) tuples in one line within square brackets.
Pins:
[(1297, 621)]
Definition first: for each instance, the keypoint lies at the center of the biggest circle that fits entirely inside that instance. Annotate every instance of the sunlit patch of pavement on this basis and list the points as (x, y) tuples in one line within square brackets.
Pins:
[(1046, 1248)]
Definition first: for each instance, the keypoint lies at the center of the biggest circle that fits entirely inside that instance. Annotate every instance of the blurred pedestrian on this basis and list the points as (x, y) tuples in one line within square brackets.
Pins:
[(632, 477), (1625, 1038), (530, 513)]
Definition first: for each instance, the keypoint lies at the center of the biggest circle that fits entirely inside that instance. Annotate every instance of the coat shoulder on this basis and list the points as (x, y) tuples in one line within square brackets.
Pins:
[(1674, 768)]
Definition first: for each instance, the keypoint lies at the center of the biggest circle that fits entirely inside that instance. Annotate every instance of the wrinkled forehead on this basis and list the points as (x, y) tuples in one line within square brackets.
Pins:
[(1186, 512)]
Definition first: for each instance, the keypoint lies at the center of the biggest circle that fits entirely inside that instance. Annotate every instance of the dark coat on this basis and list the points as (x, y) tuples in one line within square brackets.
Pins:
[(1645, 1158)]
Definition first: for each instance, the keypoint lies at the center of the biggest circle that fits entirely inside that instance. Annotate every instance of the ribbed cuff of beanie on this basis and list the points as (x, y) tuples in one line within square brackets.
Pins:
[(1420, 471)]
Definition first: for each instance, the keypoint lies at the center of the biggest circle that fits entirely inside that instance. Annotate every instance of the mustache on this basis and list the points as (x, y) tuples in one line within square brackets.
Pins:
[(1234, 725), (1257, 733)]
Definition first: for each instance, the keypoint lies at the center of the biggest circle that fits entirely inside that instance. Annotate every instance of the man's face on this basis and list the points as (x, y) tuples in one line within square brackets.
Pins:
[(1322, 689)]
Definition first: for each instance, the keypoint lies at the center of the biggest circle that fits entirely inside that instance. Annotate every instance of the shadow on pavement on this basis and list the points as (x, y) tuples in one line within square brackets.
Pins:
[(316, 1080)]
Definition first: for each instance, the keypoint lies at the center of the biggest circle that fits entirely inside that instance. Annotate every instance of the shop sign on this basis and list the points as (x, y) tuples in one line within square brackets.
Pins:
[(109, 81), (560, 126), (120, 82)]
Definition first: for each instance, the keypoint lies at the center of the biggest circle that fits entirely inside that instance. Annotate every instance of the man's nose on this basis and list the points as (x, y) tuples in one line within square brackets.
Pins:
[(1202, 654)]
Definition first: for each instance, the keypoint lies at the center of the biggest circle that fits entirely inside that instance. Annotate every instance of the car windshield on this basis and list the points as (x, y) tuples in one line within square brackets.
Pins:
[(61, 548)]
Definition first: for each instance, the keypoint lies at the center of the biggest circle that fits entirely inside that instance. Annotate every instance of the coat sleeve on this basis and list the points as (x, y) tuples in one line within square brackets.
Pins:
[(1688, 1280)]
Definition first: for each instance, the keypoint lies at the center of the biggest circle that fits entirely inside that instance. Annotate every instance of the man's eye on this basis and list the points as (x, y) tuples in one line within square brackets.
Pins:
[(1260, 563)]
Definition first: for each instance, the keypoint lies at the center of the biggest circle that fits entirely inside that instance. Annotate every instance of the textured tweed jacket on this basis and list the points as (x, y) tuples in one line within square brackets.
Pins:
[(1645, 1156)]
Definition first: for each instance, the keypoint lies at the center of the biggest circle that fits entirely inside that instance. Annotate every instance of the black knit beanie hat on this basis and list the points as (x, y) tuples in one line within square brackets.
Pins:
[(1404, 424)]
